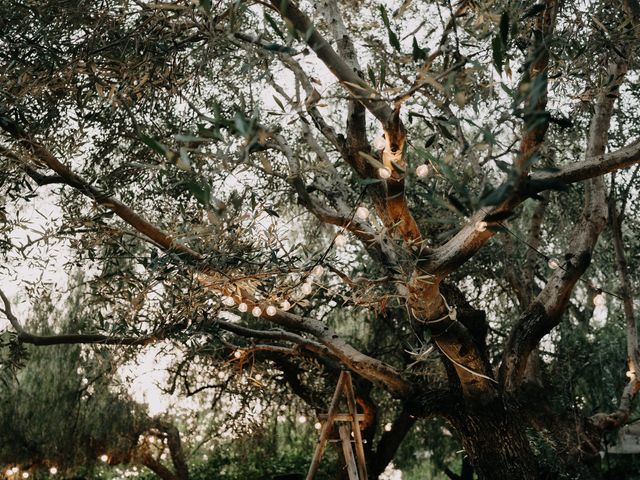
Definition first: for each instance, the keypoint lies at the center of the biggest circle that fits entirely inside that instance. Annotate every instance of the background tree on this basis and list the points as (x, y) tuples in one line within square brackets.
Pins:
[(65, 411), (219, 170)]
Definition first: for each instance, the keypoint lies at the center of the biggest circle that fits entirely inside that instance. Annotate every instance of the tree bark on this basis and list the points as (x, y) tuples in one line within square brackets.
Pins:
[(520, 442)]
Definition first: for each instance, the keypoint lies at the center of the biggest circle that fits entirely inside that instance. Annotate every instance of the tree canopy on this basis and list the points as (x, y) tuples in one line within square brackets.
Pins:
[(437, 196)]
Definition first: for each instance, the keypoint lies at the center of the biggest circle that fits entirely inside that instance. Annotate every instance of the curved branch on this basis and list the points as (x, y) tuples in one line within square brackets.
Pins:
[(143, 226), (66, 339)]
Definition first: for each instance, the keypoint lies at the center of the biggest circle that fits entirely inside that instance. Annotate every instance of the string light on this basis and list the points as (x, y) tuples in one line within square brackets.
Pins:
[(422, 170), (256, 311), (302, 419), (317, 425), (587, 282), (271, 310), (104, 458), (53, 470), (553, 263), (221, 374), (384, 173), (306, 288), (481, 226), (25, 474), (243, 307), (362, 212), (387, 427), (237, 353), (285, 305), (228, 301), (317, 271), (599, 300), (340, 240)]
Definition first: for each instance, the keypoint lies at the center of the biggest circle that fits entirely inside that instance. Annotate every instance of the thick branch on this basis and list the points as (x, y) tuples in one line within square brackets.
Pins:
[(546, 311), (339, 67), (592, 166)]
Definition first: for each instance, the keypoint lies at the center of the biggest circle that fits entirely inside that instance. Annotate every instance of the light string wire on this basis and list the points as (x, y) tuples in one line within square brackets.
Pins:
[(548, 258)]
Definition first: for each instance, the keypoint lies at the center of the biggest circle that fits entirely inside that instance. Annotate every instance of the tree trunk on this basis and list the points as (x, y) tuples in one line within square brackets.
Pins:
[(525, 444)]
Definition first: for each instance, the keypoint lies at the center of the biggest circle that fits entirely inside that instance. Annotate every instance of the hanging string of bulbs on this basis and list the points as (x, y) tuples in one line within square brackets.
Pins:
[(552, 262)]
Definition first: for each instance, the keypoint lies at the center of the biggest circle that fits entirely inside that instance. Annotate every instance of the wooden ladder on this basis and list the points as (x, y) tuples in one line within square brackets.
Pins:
[(356, 465)]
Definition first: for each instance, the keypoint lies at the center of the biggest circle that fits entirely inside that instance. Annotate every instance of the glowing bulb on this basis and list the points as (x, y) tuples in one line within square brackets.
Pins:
[(387, 427), (271, 310), (104, 458), (258, 376), (243, 307), (237, 353), (379, 143), (285, 305), (340, 240), (9, 472), (306, 288), (384, 173), (228, 301), (422, 170), (553, 263), (221, 374), (25, 474), (317, 425), (317, 271), (599, 300), (481, 226), (302, 419), (256, 311), (362, 212), (15, 470)]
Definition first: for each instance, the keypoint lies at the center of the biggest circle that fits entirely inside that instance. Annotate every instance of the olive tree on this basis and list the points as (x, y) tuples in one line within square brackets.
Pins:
[(413, 191)]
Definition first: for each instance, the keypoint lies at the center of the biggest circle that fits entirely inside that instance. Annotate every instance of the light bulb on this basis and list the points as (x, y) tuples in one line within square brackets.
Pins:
[(362, 212), (243, 307), (422, 170), (599, 300), (384, 173), (387, 427), (340, 240), (302, 419), (256, 311), (317, 271), (285, 305), (53, 470), (317, 425), (481, 226), (553, 263), (25, 474), (306, 288), (228, 301), (379, 143), (237, 353), (104, 458), (221, 374), (271, 310)]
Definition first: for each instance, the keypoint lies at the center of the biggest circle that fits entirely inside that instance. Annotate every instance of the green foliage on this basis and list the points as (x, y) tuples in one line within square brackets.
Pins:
[(63, 408)]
